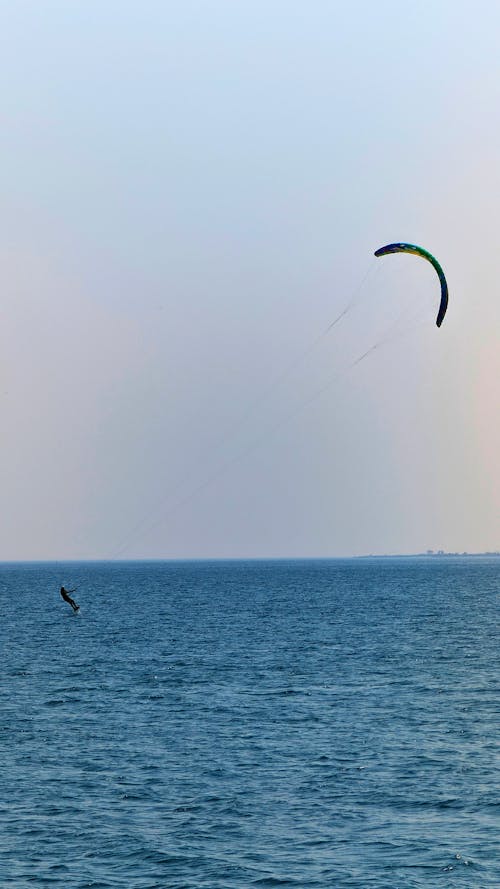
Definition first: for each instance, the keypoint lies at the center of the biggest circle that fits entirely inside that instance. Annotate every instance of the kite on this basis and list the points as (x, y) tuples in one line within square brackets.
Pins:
[(419, 251)]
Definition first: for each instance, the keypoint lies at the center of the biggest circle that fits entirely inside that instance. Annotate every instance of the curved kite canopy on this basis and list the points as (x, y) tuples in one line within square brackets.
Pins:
[(419, 251)]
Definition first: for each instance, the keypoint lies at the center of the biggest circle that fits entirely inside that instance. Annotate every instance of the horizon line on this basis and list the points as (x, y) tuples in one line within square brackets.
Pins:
[(429, 554)]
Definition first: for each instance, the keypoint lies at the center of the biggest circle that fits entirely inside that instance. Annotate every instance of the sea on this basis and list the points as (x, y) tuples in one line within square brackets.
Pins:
[(241, 724)]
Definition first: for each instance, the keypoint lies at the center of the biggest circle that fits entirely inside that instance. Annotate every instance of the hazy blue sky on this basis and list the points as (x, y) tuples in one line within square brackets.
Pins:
[(191, 193)]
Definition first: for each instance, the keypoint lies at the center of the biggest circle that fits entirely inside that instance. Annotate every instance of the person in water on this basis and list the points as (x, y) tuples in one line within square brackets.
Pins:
[(67, 598)]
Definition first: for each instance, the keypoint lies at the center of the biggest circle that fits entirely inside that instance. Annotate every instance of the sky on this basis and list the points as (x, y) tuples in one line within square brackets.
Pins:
[(191, 194)]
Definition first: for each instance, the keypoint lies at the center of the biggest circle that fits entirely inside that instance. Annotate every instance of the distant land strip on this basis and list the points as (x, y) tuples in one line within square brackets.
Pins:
[(430, 552)]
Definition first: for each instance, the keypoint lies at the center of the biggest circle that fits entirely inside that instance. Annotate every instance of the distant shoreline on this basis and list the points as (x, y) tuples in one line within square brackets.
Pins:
[(431, 554)]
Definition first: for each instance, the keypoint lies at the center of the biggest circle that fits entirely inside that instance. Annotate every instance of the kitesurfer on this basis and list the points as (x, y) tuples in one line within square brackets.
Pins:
[(67, 598)]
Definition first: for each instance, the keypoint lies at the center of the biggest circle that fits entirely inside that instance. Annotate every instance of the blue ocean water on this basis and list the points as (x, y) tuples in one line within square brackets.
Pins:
[(229, 725)]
